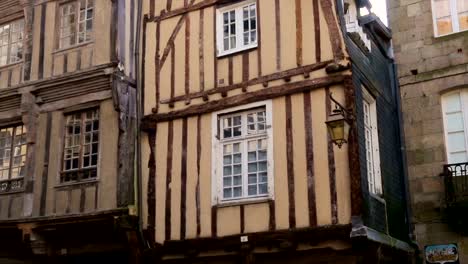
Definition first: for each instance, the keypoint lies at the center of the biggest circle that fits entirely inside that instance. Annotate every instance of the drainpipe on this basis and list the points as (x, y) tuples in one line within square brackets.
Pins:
[(409, 212), (139, 185)]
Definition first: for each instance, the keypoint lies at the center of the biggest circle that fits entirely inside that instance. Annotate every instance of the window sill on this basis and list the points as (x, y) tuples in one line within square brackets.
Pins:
[(73, 184), (11, 65), (450, 34), (77, 46), (236, 52), (246, 201), (12, 192)]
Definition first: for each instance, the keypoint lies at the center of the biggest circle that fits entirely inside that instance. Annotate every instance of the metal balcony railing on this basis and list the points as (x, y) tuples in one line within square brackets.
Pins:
[(456, 182)]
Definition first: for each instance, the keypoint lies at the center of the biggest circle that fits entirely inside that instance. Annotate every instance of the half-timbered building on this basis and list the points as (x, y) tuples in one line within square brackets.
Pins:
[(67, 129), (237, 163)]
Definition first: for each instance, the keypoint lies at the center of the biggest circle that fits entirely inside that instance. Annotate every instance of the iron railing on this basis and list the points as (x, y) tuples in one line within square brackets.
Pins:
[(456, 182)]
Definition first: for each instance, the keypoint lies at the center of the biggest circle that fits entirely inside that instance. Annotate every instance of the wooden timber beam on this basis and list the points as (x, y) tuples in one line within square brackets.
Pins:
[(334, 31), (184, 10), (149, 122), (269, 239), (258, 80)]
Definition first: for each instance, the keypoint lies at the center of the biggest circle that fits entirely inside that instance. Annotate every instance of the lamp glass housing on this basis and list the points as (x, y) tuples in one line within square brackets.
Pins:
[(338, 128)]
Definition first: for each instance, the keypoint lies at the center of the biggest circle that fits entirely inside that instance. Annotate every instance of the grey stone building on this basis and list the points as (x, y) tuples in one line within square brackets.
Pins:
[(430, 40)]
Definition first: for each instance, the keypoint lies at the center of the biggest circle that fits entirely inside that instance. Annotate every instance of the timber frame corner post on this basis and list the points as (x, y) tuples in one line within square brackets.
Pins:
[(353, 150)]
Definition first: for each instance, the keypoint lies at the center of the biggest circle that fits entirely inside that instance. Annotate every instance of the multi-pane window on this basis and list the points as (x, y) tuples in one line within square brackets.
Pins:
[(244, 154), (372, 144), (76, 22), (237, 27), (450, 16), (13, 148), (11, 42), (454, 107), (81, 150)]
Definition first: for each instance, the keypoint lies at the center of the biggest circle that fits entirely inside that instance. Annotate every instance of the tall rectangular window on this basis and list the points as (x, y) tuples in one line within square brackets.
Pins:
[(450, 16), (454, 107), (76, 22), (243, 153), (13, 148), (237, 27), (11, 42), (371, 136), (81, 149)]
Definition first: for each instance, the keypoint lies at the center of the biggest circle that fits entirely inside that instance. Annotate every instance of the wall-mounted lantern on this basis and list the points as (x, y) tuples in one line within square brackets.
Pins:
[(339, 123)]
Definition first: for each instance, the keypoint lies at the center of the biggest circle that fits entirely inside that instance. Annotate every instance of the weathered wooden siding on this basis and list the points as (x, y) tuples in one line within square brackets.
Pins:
[(49, 82), (47, 60)]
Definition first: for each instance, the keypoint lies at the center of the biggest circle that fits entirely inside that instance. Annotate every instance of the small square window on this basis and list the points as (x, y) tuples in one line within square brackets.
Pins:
[(237, 27)]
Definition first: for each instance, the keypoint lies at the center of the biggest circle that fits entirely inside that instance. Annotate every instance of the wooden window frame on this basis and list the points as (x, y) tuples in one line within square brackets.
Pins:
[(20, 22), (372, 156), (76, 175), (237, 7), (463, 96), (217, 154), (453, 16), (11, 185), (76, 24)]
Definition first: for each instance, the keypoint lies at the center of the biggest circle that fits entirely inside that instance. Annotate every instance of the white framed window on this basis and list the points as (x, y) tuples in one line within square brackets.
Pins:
[(76, 23), (449, 16), (81, 146), (371, 135), (454, 105), (236, 27), (242, 163), (11, 42)]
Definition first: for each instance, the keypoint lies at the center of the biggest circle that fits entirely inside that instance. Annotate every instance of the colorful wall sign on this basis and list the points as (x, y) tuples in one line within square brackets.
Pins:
[(441, 254)]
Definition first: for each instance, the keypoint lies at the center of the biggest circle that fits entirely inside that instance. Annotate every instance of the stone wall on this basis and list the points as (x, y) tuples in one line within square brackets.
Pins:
[(415, 46), (427, 66)]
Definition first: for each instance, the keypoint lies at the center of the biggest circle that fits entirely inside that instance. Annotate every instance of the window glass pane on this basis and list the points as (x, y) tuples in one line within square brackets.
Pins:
[(232, 15), (462, 6), (227, 193), (226, 18), (444, 25), (452, 103), (246, 38), (252, 189), (455, 122), (456, 141), (226, 44), (237, 191), (441, 8), (246, 25), (458, 157), (463, 20), (233, 42), (263, 188), (253, 36), (443, 17)]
